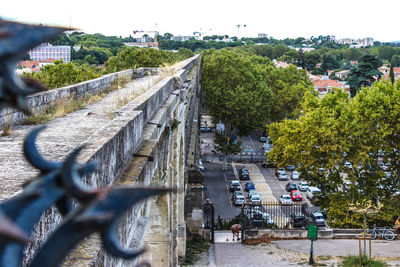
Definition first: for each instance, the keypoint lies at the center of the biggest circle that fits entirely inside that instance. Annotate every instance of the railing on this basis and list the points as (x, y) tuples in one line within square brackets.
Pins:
[(99, 210), (274, 216)]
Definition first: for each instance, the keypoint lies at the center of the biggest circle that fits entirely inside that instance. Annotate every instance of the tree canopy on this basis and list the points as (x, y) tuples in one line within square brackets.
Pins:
[(336, 129), (364, 74)]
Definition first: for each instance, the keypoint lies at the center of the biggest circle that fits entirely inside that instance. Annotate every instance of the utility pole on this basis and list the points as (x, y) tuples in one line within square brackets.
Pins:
[(238, 26)]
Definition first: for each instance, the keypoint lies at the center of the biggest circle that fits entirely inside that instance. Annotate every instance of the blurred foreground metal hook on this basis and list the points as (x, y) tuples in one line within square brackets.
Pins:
[(15, 40), (102, 215)]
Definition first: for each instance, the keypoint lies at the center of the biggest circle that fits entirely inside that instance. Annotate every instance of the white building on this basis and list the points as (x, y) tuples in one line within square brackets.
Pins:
[(262, 35), (47, 51), (185, 38)]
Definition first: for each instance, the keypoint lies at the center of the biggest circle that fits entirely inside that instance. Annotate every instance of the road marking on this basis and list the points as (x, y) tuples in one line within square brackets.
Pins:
[(268, 199), (262, 187), (225, 177), (235, 171), (251, 141)]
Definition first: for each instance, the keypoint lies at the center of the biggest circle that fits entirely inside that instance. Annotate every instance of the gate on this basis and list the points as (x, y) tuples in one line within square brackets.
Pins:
[(208, 218), (274, 216)]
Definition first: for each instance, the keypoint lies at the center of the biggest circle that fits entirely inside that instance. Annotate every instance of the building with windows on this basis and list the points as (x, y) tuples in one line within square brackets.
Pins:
[(47, 51)]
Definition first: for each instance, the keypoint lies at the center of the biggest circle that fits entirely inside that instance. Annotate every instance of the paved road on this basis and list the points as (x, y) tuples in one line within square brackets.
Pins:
[(217, 190)]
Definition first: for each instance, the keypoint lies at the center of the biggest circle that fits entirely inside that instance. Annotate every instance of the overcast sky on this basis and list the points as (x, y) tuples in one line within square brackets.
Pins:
[(276, 18)]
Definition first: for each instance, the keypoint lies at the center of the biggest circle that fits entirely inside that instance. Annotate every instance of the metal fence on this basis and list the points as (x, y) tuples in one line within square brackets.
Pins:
[(273, 215)]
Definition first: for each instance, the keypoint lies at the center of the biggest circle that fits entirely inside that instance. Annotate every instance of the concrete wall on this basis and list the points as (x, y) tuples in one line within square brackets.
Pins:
[(263, 234), (40, 101)]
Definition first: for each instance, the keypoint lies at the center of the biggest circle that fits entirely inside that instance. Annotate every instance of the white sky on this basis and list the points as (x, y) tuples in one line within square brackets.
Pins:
[(277, 18)]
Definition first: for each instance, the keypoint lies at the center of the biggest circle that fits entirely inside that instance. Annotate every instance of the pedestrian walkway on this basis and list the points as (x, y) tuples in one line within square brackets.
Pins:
[(224, 237)]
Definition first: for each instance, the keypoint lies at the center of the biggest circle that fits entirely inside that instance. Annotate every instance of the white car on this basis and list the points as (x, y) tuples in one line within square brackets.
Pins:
[(295, 175), (303, 186), (282, 176), (285, 199), (255, 199), (348, 165), (251, 194), (239, 200), (311, 191)]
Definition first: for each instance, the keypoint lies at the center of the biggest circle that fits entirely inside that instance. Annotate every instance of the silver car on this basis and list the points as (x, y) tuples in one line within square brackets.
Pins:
[(295, 175)]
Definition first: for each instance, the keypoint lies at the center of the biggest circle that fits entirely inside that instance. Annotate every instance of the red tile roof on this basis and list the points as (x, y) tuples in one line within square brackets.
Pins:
[(327, 83), (29, 64)]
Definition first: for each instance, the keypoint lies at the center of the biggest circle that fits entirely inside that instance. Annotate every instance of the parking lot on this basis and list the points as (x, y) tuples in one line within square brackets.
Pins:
[(217, 180)]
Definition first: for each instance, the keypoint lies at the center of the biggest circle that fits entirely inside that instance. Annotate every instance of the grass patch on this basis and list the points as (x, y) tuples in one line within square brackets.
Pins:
[(6, 130), (63, 107), (194, 247), (354, 261)]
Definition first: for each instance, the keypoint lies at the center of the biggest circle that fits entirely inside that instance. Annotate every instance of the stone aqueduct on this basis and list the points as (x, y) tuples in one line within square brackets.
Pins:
[(150, 140)]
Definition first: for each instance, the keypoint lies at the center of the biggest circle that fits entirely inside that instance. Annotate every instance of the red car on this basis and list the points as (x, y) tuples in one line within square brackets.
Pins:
[(296, 195)]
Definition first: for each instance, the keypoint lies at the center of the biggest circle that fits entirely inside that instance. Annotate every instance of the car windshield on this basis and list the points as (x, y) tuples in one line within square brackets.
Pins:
[(319, 217), (296, 194), (286, 197), (303, 184), (240, 198), (255, 197), (295, 173)]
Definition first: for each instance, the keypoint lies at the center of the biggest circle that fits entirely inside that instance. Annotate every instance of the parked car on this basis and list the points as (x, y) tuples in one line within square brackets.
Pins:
[(204, 129), (263, 139), (296, 195), (347, 164), (290, 167), (298, 220), (318, 219), (249, 213), (239, 200), (323, 212), (237, 193), (384, 166), (255, 199), (291, 186), (244, 174), (249, 186), (235, 185), (285, 199), (278, 171), (283, 176), (295, 175), (311, 191), (252, 192), (201, 166), (303, 186), (268, 164)]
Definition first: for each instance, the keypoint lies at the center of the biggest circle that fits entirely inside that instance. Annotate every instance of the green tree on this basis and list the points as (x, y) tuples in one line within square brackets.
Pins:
[(391, 74), (396, 61), (329, 63), (62, 74), (236, 91), (338, 129), (364, 74), (311, 59)]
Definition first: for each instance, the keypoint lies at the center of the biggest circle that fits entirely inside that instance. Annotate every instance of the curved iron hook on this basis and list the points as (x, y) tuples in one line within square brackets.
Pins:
[(112, 245), (34, 157)]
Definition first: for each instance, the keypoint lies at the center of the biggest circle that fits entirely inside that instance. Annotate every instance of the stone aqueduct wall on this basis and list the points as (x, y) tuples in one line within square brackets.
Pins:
[(154, 124), (39, 101)]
